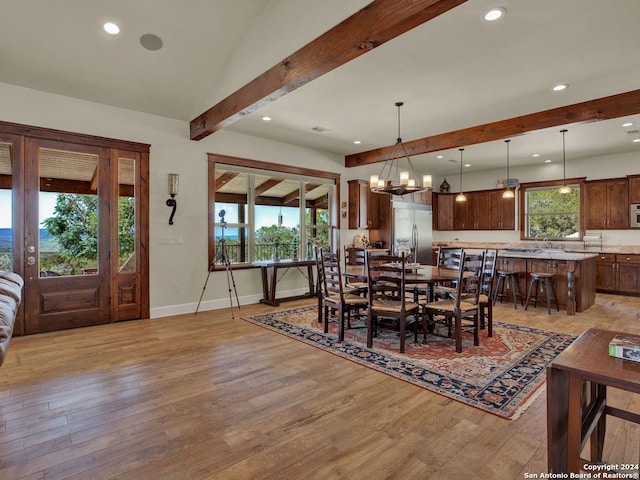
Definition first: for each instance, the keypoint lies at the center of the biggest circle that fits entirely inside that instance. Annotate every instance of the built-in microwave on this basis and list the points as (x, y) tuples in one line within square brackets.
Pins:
[(635, 215)]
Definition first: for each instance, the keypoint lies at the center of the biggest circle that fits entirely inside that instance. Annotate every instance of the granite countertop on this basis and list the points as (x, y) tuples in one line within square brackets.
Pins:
[(545, 254)]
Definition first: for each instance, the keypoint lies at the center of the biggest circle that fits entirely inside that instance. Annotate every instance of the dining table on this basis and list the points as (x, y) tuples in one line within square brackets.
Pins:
[(430, 275)]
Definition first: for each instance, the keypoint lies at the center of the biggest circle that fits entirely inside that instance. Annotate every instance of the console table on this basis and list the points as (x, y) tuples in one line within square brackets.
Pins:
[(577, 382), (269, 272)]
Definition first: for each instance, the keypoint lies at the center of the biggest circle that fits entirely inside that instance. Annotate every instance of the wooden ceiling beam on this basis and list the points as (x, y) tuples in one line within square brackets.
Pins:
[(267, 185), (370, 27), (225, 178), (604, 108)]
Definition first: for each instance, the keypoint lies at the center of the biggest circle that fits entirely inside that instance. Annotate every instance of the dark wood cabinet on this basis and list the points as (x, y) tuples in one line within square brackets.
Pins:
[(443, 211), (618, 273), (474, 214), (423, 197), (502, 211), (634, 189), (363, 206), (483, 210), (607, 204), (606, 272), (628, 273)]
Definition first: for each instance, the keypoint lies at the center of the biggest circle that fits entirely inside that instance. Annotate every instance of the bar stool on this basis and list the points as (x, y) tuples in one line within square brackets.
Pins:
[(545, 281), (508, 280)]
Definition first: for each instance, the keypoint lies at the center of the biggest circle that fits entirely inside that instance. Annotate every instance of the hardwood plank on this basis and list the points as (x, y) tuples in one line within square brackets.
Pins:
[(208, 396)]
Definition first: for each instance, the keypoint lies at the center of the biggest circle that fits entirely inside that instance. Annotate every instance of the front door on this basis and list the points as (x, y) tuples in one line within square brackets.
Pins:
[(67, 231), (74, 224)]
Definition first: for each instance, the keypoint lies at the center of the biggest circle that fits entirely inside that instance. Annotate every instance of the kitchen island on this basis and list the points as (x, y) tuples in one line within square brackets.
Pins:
[(574, 274)]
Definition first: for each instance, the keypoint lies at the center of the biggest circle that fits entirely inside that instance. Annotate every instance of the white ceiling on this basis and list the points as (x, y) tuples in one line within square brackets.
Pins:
[(453, 72)]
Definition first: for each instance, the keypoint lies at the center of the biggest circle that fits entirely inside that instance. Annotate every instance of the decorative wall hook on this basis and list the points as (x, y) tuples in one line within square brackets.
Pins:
[(173, 191)]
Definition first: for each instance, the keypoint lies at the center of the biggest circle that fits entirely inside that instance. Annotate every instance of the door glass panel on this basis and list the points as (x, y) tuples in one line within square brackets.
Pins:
[(126, 215), (68, 213), (6, 206)]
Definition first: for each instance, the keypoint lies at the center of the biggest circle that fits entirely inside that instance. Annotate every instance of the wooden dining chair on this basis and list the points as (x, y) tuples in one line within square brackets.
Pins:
[(355, 266), (447, 258), (335, 298), (387, 296), (487, 283), (319, 283), (460, 313)]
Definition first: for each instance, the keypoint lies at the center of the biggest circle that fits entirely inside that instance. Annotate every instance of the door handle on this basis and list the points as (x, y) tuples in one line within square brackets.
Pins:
[(31, 260)]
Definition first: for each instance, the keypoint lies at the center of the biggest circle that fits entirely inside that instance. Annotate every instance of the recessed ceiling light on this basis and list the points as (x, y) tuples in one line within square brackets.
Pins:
[(111, 28), (266, 118), (547, 161), (467, 164), (494, 14), (439, 156), (357, 142), (560, 87), (628, 124), (637, 140), (535, 155)]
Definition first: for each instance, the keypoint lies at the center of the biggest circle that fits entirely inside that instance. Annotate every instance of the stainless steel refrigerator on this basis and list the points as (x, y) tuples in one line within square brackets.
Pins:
[(412, 226)]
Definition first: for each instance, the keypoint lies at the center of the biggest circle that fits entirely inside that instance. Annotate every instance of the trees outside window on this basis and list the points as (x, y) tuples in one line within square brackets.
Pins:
[(550, 214)]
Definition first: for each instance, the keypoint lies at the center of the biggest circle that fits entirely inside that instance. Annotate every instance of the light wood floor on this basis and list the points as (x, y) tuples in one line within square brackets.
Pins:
[(207, 396)]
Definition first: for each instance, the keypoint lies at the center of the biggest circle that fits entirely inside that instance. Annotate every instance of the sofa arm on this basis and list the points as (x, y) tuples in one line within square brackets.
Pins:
[(10, 298)]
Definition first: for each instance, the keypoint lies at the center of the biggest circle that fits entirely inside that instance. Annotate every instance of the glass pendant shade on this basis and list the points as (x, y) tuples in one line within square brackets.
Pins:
[(508, 193), (461, 196), (564, 189)]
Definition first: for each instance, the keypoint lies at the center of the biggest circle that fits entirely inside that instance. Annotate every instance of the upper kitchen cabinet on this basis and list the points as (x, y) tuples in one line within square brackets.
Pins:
[(634, 189), (502, 211), (363, 206), (483, 210), (607, 204), (443, 211)]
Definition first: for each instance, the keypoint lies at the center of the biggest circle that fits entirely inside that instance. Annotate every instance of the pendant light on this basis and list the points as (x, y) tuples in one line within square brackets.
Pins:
[(402, 183), (461, 196), (564, 189), (508, 193)]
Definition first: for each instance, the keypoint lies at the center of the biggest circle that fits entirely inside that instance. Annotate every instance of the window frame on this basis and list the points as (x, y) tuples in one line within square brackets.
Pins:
[(262, 166), (552, 183)]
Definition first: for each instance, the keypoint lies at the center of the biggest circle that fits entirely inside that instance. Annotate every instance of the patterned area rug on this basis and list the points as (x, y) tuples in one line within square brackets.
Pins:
[(502, 376)]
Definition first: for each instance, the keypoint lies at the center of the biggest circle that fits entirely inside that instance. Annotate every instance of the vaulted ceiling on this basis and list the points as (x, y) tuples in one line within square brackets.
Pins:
[(453, 72)]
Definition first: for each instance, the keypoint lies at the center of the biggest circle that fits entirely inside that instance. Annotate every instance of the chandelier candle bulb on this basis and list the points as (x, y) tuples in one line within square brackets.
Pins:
[(373, 181), (411, 183), (404, 178), (426, 181)]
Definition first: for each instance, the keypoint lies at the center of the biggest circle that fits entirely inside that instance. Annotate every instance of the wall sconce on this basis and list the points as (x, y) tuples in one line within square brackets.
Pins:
[(173, 191)]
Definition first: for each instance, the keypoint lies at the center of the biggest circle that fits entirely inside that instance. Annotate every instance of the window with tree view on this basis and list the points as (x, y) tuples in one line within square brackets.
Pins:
[(549, 214), (268, 215)]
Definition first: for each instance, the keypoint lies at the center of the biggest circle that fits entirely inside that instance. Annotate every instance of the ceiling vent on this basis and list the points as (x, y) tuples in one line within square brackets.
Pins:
[(633, 132), (320, 129)]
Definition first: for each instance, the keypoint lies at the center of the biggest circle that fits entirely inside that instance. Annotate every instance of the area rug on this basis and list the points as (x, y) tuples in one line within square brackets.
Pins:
[(502, 376)]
